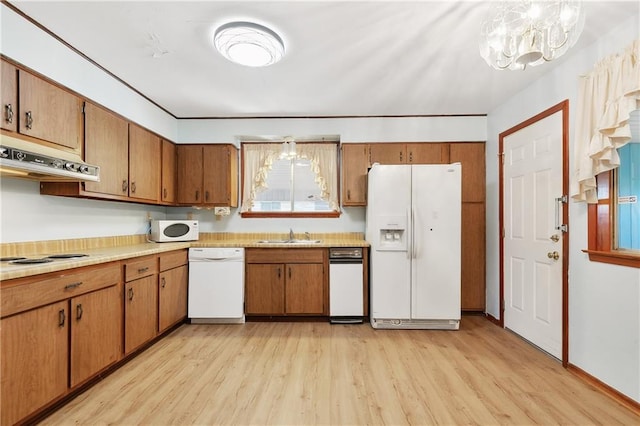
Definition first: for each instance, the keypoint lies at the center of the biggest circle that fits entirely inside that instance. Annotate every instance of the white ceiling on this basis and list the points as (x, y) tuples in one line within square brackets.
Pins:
[(343, 58)]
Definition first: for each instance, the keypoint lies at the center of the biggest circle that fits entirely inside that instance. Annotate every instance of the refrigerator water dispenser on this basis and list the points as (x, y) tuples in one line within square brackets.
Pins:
[(393, 231)]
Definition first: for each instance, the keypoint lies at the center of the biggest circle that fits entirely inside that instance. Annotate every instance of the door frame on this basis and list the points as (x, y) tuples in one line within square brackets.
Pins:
[(564, 108)]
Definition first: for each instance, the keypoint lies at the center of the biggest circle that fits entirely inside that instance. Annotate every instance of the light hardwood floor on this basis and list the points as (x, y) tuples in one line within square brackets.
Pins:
[(316, 373)]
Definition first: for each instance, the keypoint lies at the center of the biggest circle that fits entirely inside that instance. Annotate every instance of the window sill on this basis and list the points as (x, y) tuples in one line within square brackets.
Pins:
[(622, 258), (290, 214)]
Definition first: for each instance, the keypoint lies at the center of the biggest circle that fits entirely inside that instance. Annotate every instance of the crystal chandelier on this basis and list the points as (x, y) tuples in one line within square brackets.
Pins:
[(288, 148), (520, 33)]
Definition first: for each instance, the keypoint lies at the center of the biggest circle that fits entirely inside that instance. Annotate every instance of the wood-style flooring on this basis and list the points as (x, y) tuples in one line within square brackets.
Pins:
[(281, 373)]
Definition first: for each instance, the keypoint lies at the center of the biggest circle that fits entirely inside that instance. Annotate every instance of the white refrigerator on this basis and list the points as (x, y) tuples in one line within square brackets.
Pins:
[(413, 225)]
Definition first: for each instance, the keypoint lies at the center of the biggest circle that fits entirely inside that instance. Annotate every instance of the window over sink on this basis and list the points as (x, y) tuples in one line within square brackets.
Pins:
[(290, 179)]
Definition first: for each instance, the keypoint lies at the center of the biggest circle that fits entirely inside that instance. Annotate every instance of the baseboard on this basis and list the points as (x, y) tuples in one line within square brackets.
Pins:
[(606, 389), (493, 319)]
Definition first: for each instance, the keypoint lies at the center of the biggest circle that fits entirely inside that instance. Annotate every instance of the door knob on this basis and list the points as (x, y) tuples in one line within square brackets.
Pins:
[(554, 238), (553, 255)]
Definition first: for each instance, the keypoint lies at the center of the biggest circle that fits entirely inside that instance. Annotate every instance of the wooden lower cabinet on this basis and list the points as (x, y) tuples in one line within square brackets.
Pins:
[(140, 312), (286, 282), (96, 332), (172, 297), (35, 356)]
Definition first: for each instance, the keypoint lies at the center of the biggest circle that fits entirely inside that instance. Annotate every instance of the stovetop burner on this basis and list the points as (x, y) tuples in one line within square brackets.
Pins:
[(10, 259), (31, 261), (66, 256)]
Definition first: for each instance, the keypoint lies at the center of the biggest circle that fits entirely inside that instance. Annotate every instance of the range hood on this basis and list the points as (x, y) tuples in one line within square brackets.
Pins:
[(29, 160)]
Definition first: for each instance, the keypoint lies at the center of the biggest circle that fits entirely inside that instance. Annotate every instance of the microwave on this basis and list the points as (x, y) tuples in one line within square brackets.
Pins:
[(164, 231)]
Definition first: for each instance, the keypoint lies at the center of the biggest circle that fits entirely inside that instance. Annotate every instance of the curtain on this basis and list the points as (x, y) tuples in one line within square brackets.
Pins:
[(606, 98), (323, 159), (258, 158)]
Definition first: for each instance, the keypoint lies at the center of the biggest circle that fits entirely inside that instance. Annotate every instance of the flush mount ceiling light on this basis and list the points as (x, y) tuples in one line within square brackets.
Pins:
[(249, 44), (520, 33)]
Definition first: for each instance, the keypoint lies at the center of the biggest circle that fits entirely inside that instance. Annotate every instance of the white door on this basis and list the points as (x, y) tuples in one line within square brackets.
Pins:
[(436, 221), (532, 270)]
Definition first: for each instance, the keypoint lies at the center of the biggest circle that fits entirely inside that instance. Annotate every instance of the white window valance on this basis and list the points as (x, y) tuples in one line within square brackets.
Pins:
[(606, 98), (258, 160)]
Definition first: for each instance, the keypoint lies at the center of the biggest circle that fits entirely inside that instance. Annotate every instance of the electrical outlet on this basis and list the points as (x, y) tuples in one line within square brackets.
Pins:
[(222, 211), (149, 217), (190, 216)]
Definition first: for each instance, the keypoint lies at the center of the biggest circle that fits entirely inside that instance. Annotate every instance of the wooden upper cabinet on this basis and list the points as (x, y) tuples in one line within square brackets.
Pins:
[(472, 157), (189, 174), (388, 153), (168, 193), (144, 164), (207, 174), (355, 163), (9, 96), (220, 175), (49, 113), (428, 153), (107, 145)]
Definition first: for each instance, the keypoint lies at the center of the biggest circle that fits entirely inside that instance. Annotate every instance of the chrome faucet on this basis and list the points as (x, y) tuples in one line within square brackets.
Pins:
[(307, 236), (291, 236)]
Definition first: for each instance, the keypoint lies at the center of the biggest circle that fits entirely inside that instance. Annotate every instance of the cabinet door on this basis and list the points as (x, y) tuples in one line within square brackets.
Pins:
[(473, 257), (305, 288), (107, 145), (34, 360), (9, 96), (264, 289), (168, 172), (388, 153), (144, 164), (140, 312), (189, 174), (219, 174), (427, 153), (355, 162), (471, 156), (96, 332), (50, 113), (172, 297)]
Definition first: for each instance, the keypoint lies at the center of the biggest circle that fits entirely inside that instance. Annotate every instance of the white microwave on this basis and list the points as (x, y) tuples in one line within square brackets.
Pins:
[(164, 231)]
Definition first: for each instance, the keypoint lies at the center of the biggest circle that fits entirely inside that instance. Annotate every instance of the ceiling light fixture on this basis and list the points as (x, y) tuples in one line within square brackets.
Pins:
[(288, 148), (249, 44), (520, 33)]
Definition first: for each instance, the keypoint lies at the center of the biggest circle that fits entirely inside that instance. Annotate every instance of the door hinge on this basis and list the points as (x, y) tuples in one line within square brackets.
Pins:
[(502, 307), (503, 232), (501, 155)]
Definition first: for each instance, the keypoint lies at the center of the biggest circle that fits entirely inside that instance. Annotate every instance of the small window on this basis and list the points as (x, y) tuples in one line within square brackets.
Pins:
[(628, 196), (292, 179)]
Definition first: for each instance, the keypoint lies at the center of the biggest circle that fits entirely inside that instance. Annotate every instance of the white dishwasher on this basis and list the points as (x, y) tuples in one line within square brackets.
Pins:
[(216, 285)]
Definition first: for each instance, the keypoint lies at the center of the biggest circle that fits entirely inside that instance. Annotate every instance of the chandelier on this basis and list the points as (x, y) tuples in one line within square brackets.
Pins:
[(288, 148), (520, 33)]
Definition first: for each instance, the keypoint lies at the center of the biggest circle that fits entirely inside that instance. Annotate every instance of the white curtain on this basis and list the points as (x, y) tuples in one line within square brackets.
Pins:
[(607, 95), (324, 160), (258, 160)]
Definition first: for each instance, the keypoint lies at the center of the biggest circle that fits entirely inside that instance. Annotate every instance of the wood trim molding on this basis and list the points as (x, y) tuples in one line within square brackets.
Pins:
[(605, 389)]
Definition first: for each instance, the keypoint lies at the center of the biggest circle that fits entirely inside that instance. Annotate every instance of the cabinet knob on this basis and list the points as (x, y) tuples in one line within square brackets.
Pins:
[(133, 187), (8, 113), (348, 194), (130, 293), (125, 185), (61, 318), (29, 120), (164, 282), (197, 195), (206, 195), (164, 193), (79, 311)]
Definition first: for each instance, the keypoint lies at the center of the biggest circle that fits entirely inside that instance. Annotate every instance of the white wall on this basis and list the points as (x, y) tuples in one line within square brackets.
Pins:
[(604, 300)]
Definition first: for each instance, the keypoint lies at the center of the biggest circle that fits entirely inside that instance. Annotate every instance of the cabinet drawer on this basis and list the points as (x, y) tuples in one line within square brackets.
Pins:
[(31, 294), (173, 259), (142, 267), (285, 255)]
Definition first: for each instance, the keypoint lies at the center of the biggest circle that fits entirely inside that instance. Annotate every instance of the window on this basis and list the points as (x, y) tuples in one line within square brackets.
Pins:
[(299, 180), (614, 222)]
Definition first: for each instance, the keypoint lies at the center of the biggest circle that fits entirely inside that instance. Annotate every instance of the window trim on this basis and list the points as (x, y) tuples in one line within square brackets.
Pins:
[(600, 223), (281, 215)]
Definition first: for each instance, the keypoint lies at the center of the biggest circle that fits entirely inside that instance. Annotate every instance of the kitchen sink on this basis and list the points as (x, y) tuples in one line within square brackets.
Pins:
[(292, 242)]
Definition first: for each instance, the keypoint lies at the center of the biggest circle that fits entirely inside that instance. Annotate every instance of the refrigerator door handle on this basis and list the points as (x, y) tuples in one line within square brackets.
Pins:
[(410, 232), (414, 238)]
